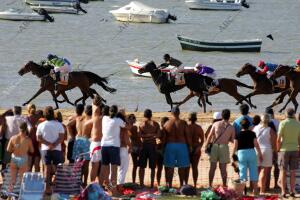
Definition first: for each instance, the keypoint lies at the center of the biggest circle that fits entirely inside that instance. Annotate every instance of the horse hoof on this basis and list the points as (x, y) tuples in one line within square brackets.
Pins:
[(280, 111), (209, 103), (24, 104), (254, 107)]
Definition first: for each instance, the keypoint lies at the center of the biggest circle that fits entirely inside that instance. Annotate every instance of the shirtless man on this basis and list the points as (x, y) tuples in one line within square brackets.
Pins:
[(72, 131), (96, 136), (195, 133), (82, 143), (177, 143)]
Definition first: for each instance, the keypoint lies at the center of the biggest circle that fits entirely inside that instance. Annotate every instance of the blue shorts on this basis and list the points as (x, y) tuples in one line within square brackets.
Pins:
[(176, 155), (52, 157), (81, 145), (248, 160), (110, 155)]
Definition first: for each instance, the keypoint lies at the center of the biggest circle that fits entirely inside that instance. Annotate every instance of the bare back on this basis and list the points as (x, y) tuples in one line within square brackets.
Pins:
[(87, 127), (196, 134), (96, 133), (175, 131)]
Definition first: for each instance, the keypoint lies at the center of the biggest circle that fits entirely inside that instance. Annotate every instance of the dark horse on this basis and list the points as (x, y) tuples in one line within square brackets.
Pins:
[(263, 85), (81, 79), (294, 79), (195, 82)]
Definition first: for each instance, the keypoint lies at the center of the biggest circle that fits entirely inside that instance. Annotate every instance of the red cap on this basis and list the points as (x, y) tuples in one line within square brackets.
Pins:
[(298, 62), (261, 63)]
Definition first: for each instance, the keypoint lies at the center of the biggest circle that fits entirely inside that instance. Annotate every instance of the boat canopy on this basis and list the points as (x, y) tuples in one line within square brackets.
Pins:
[(138, 7)]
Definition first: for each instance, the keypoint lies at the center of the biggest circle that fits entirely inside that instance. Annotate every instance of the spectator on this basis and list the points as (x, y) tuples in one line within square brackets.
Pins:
[(149, 130), (110, 143), (266, 138), (256, 121), (159, 151), (59, 118), (136, 145), (217, 116), (125, 148), (72, 131), (223, 132), (177, 145), (13, 124), (35, 157), (244, 109), (19, 146), (288, 142), (244, 144), (196, 133), (82, 143), (50, 134)]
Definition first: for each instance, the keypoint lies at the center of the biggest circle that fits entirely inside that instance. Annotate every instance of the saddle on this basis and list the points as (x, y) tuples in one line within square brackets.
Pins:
[(213, 87), (64, 78)]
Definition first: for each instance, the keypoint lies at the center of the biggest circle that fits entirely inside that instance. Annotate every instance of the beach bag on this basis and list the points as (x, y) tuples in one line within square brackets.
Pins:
[(210, 145), (209, 195), (238, 186), (93, 192), (188, 190)]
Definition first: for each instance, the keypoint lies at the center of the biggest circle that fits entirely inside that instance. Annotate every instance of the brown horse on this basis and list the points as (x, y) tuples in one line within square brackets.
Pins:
[(294, 78), (262, 85), (81, 79), (195, 82)]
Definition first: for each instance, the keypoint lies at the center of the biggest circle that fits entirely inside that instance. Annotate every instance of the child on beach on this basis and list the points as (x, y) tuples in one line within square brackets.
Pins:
[(19, 146)]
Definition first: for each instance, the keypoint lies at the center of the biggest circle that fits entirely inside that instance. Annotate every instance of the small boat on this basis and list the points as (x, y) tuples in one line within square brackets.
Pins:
[(135, 65), (216, 4), (138, 12), (20, 15), (60, 9), (253, 45), (66, 3)]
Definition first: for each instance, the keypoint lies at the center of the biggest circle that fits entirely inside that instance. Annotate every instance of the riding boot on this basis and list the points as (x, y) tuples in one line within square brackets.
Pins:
[(57, 79)]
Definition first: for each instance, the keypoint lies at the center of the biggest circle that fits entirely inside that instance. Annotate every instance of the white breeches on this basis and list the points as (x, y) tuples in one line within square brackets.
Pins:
[(124, 155), (63, 69)]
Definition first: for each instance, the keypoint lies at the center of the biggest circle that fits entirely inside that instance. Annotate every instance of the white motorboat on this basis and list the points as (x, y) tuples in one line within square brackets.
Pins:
[(21, 15), (66, 3), (135, 65), (216, 4), (60, 9), (138, 12)]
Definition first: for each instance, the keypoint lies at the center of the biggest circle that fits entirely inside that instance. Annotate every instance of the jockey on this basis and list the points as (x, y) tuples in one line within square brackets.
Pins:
[(205, 71), (61, 65), (170, 61), (267, 68), (297, 69)]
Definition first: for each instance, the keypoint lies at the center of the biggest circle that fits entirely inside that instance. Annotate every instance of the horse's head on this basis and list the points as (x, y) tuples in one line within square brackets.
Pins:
[(246, 69), (26, 68), (280, 71), (149, 67)]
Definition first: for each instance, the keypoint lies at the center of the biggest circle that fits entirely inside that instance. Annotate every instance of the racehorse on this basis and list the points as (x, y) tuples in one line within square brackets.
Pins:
[(195, 82), (262, 85), (81, 79), (294, 79)]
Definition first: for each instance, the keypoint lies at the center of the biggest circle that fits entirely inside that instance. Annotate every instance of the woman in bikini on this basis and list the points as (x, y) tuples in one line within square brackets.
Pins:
[(19, 146)]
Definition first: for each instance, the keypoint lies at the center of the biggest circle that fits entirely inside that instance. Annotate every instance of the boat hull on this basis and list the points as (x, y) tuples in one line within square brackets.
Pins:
[(21, 17), (54, 9), (139, 18), (206, 5), (66, 3), (231, 46)]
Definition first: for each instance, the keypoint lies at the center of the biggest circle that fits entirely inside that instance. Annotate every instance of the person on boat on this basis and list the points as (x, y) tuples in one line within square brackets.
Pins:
[(205, 71), (170, 61), (297, 69), (267, 68), (61, 65)]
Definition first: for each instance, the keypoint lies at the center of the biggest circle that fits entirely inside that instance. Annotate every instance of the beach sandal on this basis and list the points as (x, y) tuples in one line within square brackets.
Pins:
[(293, 195), (284, 196)]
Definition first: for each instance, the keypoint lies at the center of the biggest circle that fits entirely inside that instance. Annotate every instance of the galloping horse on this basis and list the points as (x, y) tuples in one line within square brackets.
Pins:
[(81, 79), (195, 82), (262, 85), (294, 79)]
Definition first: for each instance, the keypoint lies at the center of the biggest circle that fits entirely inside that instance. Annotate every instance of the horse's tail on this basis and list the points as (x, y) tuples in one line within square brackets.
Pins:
[(240, 84), (100, 81)]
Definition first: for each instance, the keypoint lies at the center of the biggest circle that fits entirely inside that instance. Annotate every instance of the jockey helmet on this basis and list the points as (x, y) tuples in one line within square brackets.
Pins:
[(298, 62), (167, 57), (198, 65), (261, 63), (50, 56)]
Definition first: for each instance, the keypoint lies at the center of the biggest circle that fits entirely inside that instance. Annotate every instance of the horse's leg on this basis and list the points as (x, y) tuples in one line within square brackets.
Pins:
[(95, 92), (295, 104), (54, 96), (203, 99), (66, 98), (169, 99), (292, 96), (41, 90), (255, 92), (207, 101), (239, 97), (188, 97), (279, 99)]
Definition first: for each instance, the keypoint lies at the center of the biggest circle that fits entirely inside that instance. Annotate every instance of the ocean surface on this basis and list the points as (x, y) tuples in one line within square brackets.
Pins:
[(98, 43)]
